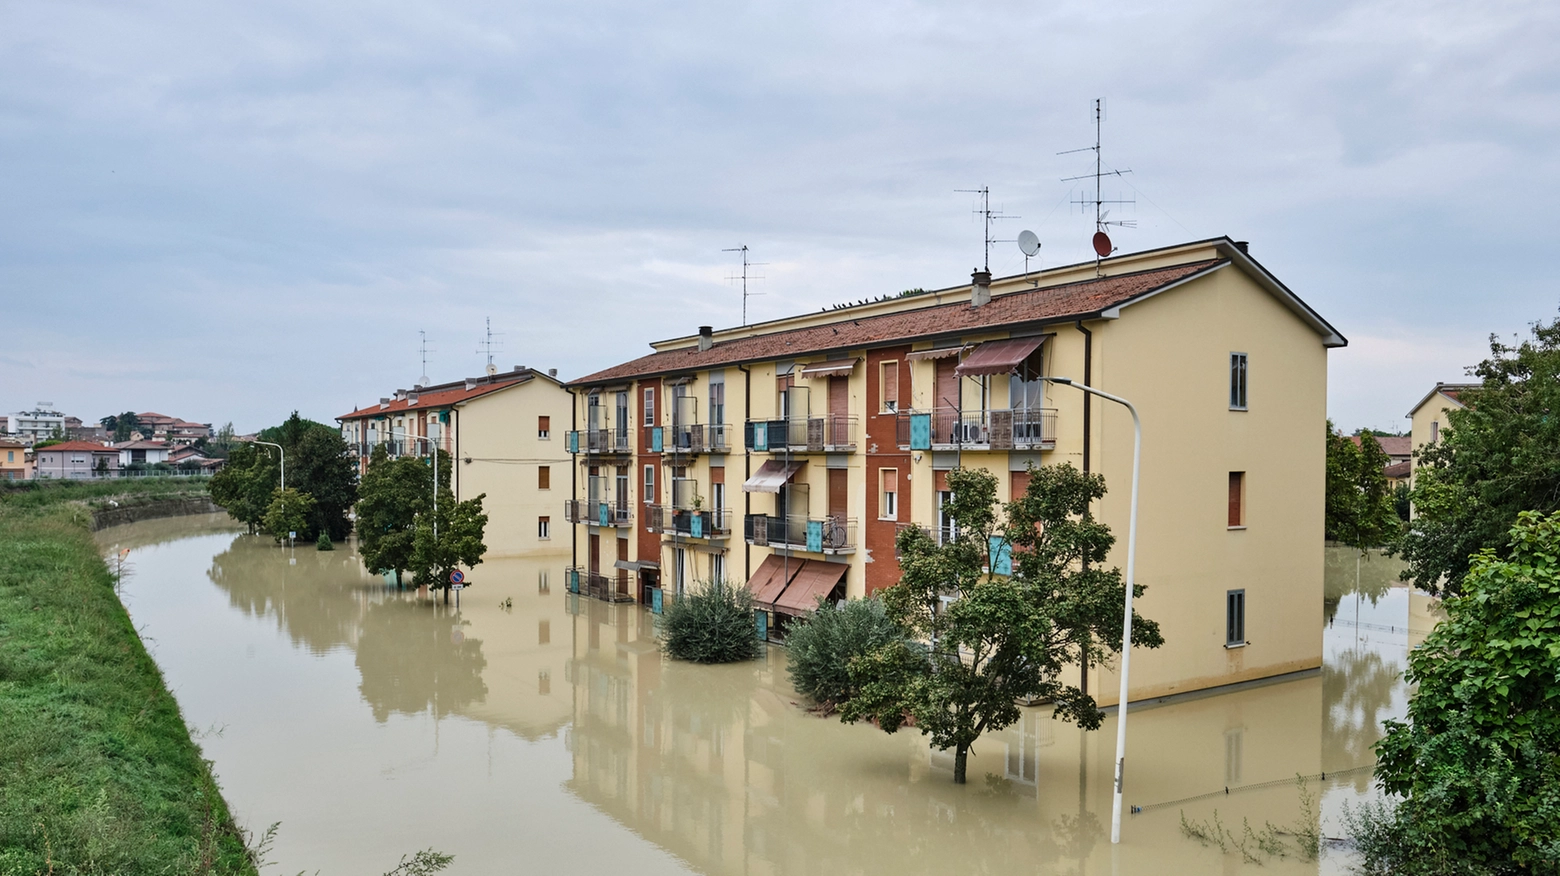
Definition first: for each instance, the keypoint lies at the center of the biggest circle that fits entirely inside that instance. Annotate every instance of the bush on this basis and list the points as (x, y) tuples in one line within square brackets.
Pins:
[(323, 542), (712, 625), (821, 646)]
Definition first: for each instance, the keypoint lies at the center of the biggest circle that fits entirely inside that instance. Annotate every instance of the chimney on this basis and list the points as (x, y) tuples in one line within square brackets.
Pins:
[(553, 373), (383, 403), (471, 383), (981, 293), (706, 337), (1241, 245)]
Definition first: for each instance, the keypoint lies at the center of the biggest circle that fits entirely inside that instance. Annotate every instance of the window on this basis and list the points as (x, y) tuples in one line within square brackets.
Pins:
[(680, 567), (1237, 381), (1237, 500), (544, 427), (717, 402), (544, 527), (717, 568), (622, 421), (649, 406), (649, 485), (544, 477), (1435, 431), (947, 530), (1235, 619), (543, 632), (888, 386), (888, 509), (783, 386)]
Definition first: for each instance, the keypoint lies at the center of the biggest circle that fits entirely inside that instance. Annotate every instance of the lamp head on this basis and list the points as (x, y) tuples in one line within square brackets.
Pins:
[(1067, 381)]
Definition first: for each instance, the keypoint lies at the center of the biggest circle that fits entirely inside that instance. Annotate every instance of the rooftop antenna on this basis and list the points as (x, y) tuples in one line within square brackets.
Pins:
[(744, 277), (989, 216), (487, 344), (1102, 244), (423, 349)]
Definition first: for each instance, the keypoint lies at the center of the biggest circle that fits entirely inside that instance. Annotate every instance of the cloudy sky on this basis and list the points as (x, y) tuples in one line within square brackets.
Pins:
[(226, 211)]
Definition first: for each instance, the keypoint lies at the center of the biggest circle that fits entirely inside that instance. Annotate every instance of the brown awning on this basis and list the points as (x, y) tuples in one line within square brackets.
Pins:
[(998, 357), (771, 476), (772, 576), (838, 368), (939, 353), (816, 579)]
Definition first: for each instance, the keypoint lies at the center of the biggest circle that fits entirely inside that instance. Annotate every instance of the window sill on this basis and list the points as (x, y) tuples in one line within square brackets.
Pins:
[(1243, 410), (1231, 647), (1234, 528), (888, 519)]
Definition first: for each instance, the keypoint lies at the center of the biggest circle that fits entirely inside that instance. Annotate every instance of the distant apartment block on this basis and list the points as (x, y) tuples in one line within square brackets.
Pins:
[(37, 424)]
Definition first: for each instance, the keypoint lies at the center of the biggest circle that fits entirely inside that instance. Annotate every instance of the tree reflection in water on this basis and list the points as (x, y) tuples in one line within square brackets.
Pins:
[(414, 656), (305, 596), (1357, 692), (1346, 571)]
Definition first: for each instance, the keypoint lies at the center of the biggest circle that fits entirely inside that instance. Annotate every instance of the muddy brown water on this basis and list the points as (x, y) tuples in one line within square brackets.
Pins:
[(551, 736)]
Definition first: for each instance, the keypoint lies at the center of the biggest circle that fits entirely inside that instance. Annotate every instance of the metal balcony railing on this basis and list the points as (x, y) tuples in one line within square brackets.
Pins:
[(696, 438), (990, 429), (687, 522), (830, 433), (597, 441), (611, 588), (828, 535), (597, 513)]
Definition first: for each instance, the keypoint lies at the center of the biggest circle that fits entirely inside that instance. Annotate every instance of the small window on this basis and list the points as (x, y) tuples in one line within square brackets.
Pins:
[(717, 403), (889, 508), (649, 485), (1435, 431), (1237, 517), (544, 427), (947, 529), (888, 385), (544, 527), (1235, 618), (650, 406), (1237, 381), (544, 477)]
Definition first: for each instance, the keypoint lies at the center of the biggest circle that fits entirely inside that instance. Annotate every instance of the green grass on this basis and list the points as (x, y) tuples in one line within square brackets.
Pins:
[(98, 773), (16, 495)]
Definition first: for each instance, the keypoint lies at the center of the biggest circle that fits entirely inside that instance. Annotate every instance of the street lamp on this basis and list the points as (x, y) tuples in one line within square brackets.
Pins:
[(283, 452), (1126, 621)]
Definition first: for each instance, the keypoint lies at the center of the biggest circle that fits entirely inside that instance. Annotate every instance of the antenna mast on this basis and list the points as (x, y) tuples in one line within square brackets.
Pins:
[(744, 277), (1102, 244), (423, 349), (988, 216), (488, 345)]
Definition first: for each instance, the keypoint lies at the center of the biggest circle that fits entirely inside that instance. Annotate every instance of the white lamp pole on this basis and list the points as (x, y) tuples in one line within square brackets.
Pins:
[(1126, 621), (283, 452)]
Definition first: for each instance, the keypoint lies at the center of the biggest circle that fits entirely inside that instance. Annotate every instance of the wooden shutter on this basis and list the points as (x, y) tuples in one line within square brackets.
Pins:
[(544, 477), (1237, 490), (544, 425), (890, 386)]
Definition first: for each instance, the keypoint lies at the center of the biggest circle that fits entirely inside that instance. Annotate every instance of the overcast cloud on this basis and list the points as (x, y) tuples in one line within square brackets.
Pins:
[(228, 211)]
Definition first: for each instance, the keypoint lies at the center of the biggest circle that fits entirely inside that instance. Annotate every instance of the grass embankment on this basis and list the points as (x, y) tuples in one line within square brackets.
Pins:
[(98, 773)]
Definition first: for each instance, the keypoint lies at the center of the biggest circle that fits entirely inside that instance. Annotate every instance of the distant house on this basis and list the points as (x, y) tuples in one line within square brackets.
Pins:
[(13, 459), (37, 424), (1428, 417), (186, 457), (1400, 456), (76, 460), (143, 452)]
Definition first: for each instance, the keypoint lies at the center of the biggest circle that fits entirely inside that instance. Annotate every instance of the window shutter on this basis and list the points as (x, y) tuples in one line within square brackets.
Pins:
[(1237, 479)]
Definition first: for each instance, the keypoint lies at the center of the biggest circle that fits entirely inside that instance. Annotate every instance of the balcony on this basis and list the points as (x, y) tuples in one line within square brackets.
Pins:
[(687, 522), (610, 588), (597, 441), (597, 513), (831, 433), (681, 439), (949, 429), (819, 535)]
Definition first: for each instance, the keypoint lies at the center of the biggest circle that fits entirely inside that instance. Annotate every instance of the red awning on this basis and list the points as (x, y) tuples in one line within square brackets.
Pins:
[(772, 576), (772, 475), (816, 579), (998, 357), (839, 368)]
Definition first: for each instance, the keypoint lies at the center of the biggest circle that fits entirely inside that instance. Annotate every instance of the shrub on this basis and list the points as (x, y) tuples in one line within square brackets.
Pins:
[(821, 646), (712, 625), (323, 542)]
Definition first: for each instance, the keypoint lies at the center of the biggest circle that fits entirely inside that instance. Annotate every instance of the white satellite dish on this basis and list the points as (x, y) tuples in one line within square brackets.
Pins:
[(492, 369), (1029, 243)]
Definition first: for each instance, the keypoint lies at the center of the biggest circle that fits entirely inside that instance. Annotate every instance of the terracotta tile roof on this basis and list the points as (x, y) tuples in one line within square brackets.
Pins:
[(438, 397), (1051, 304), (79, 447), (1398, 470), (1391, 445)]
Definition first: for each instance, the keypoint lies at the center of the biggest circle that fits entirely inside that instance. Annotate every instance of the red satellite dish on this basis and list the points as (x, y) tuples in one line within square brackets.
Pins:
[(1102, 244)]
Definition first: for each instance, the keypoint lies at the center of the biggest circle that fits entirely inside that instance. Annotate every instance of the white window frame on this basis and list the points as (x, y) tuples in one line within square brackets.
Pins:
[(650, 493), (649, 406), (544, 528), (888, 500), (1240, 382), (1235, 618)]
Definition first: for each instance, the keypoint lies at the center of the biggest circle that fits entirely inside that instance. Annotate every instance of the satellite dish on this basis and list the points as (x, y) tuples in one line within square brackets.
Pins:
[(492, 369), (1029, 243), (424, 381), (1102, 244)]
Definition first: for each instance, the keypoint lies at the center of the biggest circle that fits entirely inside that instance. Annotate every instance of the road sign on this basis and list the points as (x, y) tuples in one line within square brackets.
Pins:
[(457, 587), (457, 577)]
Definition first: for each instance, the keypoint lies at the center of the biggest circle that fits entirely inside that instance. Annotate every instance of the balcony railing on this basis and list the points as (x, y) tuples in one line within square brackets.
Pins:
[(828, 535), (687, 522), (596, 441), (596, 513), (950, 429), (695, 438), (831, 433), (613, 588), (395, 448)]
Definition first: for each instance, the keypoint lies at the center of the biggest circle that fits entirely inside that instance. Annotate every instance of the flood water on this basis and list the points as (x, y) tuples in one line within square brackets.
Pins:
[(550, 736)]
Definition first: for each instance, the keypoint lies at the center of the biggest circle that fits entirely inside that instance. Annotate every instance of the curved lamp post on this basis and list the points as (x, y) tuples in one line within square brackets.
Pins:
[(283, 452), (1126, 621)]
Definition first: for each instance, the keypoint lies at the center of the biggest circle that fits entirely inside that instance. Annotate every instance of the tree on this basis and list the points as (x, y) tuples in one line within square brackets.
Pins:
[(1359, 503), (711, 624), (1496, 458), (1478, 761), (393, 493), (458, 542), (820, 648), (318, 463), (244, 486), (1029, 598), (288, 513), (124, 425)]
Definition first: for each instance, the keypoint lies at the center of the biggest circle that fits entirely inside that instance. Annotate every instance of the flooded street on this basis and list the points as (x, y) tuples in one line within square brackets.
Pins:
[(549, 735)]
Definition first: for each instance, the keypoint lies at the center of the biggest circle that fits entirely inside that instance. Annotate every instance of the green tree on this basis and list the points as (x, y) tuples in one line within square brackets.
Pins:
[(1496, 458), (1359, 503), (244, 485), (124, 424), (319, 463), (458, 541), (711, 624), (1029, 598), (393, 493), (820, 648), (1478, 761), (288, 512)]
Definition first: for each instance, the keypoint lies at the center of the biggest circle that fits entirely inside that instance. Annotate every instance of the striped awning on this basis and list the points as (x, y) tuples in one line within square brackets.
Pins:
[(939, 353), (998, 357), (839, 368)]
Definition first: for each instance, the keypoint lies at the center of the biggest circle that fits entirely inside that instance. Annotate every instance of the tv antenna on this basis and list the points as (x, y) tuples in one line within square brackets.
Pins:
[(744, 276), (423, 349), (989, 216), (1102, 244), (487, 344)]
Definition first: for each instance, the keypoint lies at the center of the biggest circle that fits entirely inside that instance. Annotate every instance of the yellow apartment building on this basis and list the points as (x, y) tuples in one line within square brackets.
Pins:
[(1428, 418), (788, 454), (499, 431)]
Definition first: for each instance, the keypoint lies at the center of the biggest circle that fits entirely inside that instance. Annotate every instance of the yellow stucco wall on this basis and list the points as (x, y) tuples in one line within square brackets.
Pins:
[(1426, 422), (498, 434)]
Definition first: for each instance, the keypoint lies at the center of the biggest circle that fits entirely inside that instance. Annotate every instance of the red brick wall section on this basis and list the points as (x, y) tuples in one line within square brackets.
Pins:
[(648, 543), (882, 451)]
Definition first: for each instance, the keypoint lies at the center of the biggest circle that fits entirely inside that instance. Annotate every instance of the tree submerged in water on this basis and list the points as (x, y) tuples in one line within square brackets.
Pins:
[(712, 623), (1029, 597)]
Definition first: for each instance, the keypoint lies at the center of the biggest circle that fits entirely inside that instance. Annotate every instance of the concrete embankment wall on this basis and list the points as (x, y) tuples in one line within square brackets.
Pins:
[(174, 506)]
